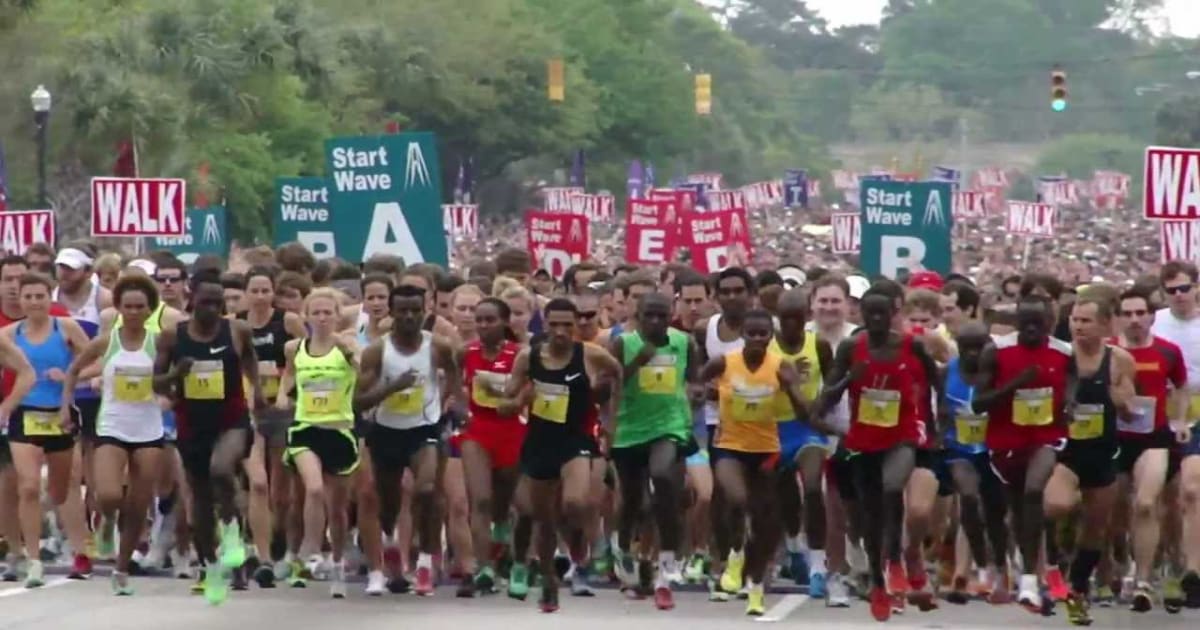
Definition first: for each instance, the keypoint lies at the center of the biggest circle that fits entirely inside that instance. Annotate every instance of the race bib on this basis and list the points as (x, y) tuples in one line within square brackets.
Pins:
[(1194, 407), (1033, 407), (753, 403), (482, 386), (879, 408), (550, 402), (42, 424), (323, 396), (268, 379), (659, 375), (407, 402), (969, 428), (1087, 423), (206, 381), (1145, 412), (133, 384)]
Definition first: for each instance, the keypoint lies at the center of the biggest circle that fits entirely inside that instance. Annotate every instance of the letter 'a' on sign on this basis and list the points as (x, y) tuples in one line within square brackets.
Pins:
[(555, 80)]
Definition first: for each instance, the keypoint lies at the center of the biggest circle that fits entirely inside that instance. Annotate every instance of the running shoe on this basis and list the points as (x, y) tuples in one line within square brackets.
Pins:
[(694, 571), (798, 567), (664, 599), (579, 582), (398, 585), (337, 581), (817, 588), (715, 592), (839, 593), (81, 568), (549, 600), (233, 549), (1077, 609), (731, 578), (897, 581), (1028, 593), (1173, 595), (35, 574), (958, 591), (1143, 598), (626, 569), (216, 589), (298, 574), (424, 586), (1191, 589), (265, 576), (197, 587), (376, 583), (485, 580), (106, 546), (120, 584), (466, 588), (1057, 585), (239, 582), (881, 604), (1104, 596), (1001, 589), (756, 601), (518, 581)]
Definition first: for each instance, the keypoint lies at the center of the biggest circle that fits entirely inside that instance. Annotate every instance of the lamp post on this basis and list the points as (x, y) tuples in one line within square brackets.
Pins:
[(40, 100)]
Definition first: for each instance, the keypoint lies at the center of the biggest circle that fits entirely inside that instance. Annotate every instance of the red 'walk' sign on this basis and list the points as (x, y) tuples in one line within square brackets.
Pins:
[(21, 228), (127, 206)]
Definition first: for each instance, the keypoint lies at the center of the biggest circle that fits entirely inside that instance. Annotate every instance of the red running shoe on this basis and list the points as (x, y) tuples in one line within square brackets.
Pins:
[(881, 604), (663, 598), (1056, 585), (81, 569), (897, 581), (424, 582)]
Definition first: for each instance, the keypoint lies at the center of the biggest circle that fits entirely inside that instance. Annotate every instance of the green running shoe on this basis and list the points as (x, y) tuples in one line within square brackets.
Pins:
[(518, 581)]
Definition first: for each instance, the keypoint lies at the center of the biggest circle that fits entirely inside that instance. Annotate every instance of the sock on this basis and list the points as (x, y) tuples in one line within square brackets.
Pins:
[(816, 561), (793, 544), (501, 532), (1081, 569), (666, 567), (424, 561)]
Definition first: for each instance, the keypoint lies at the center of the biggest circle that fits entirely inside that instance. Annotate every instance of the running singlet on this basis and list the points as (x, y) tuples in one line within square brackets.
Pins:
[(811, 386), (884, 403), (324, 387), (51, 354), (747, 405), (714, 347), (968, 430), (214, 399), (562, 398), (479, 371), (8, 378), (1159, 367), (269, 340), (1094, 418), (88, 318), (654, 402), (1031, 416), (129, 410), (420, 404)]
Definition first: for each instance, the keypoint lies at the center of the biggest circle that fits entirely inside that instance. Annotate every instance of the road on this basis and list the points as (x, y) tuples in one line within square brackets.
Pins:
[(161, 603)]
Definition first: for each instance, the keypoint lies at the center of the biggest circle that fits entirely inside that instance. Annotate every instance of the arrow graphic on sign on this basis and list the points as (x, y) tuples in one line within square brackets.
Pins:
[(735, 226), (416, 169), (576, 232), (933, 209), (212, 233)]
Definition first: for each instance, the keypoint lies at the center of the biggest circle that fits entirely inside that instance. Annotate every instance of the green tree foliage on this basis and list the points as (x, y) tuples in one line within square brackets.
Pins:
[(1178, 122)]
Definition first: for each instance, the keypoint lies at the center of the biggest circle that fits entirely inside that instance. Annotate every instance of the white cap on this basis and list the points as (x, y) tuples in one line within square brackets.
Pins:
[(858, 286), (144, 265), (792, 275), (73, 258)]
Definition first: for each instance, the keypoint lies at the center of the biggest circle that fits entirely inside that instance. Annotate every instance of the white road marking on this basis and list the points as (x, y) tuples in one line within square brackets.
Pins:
[(785, 607), (13, 592)]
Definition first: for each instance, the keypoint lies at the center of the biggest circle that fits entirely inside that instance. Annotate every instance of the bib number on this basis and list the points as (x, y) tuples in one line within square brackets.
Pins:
[(323, 396), (268, 379), (879, 408), (406, 402), (1087, 423), (482, 386), (550, 402), (1194, 407), (970, 429), (206, 381), (132, 385), (753, 404), (1145, 410), (1033, 407), (658, 376), (42, 424)]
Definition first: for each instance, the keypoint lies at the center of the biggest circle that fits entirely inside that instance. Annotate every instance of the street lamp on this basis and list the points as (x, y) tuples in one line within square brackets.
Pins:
[(40, 100)]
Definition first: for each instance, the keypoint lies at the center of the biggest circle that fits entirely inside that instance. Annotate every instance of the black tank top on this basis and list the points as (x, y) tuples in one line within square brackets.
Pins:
[(212, 396), (1094, 422), (270, 338), (561, 398)]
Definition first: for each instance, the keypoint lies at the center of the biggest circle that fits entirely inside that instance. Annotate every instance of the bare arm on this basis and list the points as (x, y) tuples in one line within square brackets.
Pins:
[(294, 325), (13, 359), (1123, 370), (287, 379), (164, 376), (516, 391), (988, 393), (446, 355), (86, 358), (936, 382)]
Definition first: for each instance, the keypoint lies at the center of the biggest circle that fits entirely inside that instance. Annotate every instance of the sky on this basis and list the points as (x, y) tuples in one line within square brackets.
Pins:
[(1181, 17)]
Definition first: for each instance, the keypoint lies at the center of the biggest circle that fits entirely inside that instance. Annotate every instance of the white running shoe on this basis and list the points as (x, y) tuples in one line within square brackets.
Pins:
[(376, 583)]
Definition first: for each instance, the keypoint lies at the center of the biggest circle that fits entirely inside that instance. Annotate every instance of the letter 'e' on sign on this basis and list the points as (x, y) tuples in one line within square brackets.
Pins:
[(138, 206)]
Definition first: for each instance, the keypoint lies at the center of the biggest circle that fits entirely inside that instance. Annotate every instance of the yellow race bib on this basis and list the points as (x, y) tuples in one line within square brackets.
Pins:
[(753, 403), (659, 375), (1145, 413), (969, 428), (879, 408), (407, 402), (1033, 407), (323, 396), (206, 381), (268, 379), (550, 402), (1194, 407), (1087, 423), (133, 384), (42, 424), (482, 386)]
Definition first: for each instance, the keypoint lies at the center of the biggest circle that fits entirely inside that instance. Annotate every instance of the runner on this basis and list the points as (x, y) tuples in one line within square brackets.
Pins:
[(376, 287), (399, 375), (129, 426), (1145, 463), (652, 432), (556, 456), (1103, 387), (201, 364), (36, 433), (746, 447), (321, 446)]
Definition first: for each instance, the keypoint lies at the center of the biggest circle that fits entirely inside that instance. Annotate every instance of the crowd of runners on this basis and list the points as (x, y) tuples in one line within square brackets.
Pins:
[(289, 421)]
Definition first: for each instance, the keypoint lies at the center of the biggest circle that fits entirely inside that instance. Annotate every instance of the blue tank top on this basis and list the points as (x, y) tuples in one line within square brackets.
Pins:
[(51, 353), (959, 395)]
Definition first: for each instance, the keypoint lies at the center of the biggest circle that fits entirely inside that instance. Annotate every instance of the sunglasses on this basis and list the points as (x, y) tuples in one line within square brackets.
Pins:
[(588, 314), (1137, 313), (169, 279), (1183, 288)]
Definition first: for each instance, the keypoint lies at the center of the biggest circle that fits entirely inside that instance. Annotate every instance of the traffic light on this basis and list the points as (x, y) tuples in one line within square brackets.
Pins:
[(703, 94), (555, 83), (1058, 90)]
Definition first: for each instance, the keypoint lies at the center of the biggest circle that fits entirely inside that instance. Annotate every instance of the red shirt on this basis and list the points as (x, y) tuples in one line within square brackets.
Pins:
[(1023, 420), (885, 400), (1159, 366), (7, 377), (474, 362)]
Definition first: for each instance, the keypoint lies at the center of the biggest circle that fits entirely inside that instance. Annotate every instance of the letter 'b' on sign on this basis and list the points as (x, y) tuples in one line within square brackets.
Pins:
[(900, 252)]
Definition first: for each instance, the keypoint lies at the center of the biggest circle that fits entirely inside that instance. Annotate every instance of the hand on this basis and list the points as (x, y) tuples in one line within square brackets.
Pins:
[(646, 353), (56, 375), (282, 403), (508, 407), (406, 380), (788, 376), (184, 366), (1183, 433), (857, 371), (5, 413), (803, 369), (1026, 376), (65, 419), (260, 403), (96, 383)]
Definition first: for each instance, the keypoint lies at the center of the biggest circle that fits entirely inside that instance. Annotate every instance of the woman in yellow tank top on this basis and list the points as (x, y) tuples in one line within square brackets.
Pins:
[(746, 450)]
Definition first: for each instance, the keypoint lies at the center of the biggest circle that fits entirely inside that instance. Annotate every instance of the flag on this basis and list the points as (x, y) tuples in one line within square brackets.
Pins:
[(126, 164), (635, 183), (795, 188), (3, 181), (946, 174), (649, 176), (464, 182), (578, 176)]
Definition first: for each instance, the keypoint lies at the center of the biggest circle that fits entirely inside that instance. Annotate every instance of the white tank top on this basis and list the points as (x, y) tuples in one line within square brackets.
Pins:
[(90, 311), (715, 347), (129, 409), (419, 405)]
